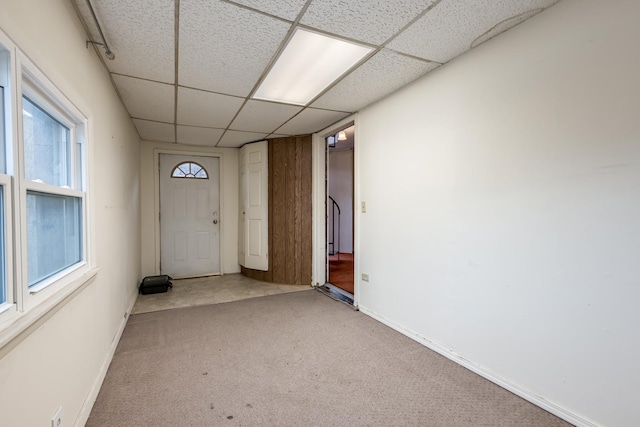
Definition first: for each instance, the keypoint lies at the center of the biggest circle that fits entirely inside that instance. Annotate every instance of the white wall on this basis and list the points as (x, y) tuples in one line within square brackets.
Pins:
[(341, 189), (504, 223), (60, 363), (229, 203)]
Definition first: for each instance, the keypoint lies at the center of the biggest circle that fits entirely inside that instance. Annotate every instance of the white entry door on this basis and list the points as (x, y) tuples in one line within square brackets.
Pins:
[(189, 215)]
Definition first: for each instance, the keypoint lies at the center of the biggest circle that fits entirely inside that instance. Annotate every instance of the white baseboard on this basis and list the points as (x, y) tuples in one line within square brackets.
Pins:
[(485, 373), (87, 406)]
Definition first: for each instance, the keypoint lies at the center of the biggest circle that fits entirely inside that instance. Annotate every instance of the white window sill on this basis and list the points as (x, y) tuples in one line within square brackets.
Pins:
[(23, 324), (44, 284)]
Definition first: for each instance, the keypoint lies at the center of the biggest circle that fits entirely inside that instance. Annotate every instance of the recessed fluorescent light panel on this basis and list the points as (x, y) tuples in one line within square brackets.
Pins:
[(308, 64)]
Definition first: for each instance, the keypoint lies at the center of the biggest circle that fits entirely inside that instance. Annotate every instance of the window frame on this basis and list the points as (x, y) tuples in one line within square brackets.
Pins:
[(37, 87), (26, 79), (9, 128), (7, 195)]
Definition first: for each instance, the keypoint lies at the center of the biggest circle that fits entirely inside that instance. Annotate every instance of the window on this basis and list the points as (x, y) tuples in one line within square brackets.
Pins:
[(52, 184), (54, 220), (189, 170), (43, 199)]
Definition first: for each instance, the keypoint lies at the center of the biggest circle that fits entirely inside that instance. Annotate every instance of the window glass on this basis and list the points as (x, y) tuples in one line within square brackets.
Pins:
[(3, 131), (46, 146), (54, 234), (3, 279), (189, 170), (4, 62)]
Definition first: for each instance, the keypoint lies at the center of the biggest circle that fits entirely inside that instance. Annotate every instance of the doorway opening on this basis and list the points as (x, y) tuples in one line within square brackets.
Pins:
[(340, 196)]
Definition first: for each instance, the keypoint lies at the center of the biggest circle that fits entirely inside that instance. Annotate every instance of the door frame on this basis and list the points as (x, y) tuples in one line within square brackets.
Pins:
[(319, 195), (156, 198)]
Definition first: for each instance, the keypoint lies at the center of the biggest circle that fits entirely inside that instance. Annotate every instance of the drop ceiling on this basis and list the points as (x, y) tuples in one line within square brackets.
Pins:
[(186, 70)]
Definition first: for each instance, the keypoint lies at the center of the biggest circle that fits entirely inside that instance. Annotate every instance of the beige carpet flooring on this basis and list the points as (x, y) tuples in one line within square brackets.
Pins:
[(210, 290), (294, 359)]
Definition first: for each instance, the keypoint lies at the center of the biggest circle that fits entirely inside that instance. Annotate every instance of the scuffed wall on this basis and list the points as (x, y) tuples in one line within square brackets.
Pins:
[(503, 223)]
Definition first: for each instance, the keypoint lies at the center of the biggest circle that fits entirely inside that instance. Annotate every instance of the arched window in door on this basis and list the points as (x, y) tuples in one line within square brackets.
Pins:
[(189, 170)]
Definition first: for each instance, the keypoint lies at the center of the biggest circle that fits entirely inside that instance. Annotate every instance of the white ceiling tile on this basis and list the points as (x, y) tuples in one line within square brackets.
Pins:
[(383, 74), (450, 28), (145, 99), (372, 21), (155, 131), (233, 138), (200, 108), (226, 45), (260, 116), (134, 30), (310, 120), (225, 48), (286, 9), (198, 135)]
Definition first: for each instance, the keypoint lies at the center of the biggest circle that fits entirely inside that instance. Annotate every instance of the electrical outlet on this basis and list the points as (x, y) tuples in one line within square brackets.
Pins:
[(365, 277), (364, 207), (56, 421)]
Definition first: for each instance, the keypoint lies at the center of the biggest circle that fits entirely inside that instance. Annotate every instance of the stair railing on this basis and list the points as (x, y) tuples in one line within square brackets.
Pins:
[(334, 243)]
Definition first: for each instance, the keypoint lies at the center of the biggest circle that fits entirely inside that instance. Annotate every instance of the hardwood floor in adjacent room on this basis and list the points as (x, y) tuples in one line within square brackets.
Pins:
[(341, 271)]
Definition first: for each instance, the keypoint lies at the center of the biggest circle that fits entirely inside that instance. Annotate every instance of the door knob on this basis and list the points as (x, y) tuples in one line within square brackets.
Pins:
[(215, 221)]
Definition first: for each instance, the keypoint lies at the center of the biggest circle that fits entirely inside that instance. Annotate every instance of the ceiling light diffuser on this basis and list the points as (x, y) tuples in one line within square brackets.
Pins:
[(308, 64)]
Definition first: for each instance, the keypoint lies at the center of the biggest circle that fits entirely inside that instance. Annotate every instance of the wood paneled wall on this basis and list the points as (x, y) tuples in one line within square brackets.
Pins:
[(290, 233)]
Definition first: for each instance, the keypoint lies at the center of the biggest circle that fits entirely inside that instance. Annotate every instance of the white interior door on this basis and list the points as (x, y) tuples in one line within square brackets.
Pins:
[(189, 215), (253, 237)]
